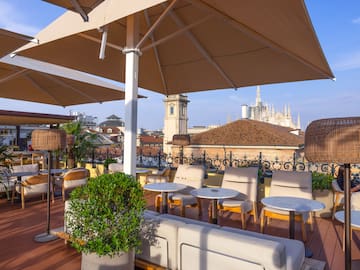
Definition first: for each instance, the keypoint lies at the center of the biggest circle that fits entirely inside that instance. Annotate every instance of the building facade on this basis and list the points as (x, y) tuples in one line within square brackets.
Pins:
[(175, 120), (267, 113)]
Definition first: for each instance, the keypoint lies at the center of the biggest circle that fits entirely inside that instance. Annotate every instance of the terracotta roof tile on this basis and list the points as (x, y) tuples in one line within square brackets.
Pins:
[(248, 133)]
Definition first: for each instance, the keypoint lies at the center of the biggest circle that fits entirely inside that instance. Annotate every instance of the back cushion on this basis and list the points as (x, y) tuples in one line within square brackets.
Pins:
[(243, 180), (32, 168), (190, 175), (206, 248), (116, 167), (290, 183)]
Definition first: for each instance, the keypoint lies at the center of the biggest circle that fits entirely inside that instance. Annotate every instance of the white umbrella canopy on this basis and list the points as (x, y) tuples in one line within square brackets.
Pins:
[(181, 46)]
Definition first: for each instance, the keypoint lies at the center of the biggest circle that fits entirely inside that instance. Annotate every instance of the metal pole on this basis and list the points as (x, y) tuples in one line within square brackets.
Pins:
[(347, 225)]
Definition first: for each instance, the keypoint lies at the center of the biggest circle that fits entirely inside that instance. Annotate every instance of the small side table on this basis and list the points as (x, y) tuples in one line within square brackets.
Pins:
[(355, 221), (164, 188), (214, 194)]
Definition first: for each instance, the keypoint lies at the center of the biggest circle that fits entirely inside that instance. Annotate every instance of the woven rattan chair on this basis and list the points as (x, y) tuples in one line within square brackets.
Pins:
[(243, 180), (289, 183)]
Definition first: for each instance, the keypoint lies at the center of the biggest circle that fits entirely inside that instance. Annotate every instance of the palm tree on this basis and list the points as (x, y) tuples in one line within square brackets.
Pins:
[(83, 141)]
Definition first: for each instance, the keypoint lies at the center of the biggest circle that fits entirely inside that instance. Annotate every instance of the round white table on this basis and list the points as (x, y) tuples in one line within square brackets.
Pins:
[(164, 188), (214, 194), (355, 218), (293, 204)]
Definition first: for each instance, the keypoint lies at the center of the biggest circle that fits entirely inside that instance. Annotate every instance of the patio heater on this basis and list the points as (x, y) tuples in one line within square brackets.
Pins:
[(181, 140), (48, 140), (336, 140)]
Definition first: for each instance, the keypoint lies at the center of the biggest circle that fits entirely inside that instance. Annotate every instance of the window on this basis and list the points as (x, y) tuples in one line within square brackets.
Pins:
[(171, 109)]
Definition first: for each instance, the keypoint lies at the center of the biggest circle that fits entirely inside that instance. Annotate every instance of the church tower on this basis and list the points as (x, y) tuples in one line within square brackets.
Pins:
[(175, 120)]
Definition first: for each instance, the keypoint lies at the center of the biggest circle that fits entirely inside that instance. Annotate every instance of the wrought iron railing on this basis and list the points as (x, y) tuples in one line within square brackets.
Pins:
[(220, 162)]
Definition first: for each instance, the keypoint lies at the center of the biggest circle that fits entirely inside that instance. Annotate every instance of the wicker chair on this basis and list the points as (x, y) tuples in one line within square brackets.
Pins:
[(116, 167), (289, 183), (243, 180)]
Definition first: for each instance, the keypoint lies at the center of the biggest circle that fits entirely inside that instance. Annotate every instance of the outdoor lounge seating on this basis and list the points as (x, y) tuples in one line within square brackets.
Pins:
[(160, 176), (289, 183), (182, 243), (243, 180), (74, 178), (36, 185), (116, 167), (193, 177), (338, 197)]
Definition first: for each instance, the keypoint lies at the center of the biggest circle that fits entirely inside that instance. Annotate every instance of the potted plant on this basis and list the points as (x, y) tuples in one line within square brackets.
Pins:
[(321, 186), (104, 221)]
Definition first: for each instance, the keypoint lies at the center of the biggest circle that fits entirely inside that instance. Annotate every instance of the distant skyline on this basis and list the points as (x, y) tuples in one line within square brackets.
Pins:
[(337, 25)]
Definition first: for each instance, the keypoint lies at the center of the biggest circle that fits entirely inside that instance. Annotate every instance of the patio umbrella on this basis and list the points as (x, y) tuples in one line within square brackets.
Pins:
[(185, 46), (26, 79), (10, 41), (83, 7)]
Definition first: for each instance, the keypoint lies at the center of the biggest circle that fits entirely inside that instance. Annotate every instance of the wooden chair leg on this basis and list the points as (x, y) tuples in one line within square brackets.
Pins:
[(182, 210), (262, 223), (63, 193), (335, 205), (303, 231), (22, 198), (199, 207), (243, 220), (157, 203), (311, 222), (255, 213)]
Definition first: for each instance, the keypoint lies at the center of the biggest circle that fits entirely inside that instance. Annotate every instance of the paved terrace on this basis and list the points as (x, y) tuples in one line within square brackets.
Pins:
[(19, 251)]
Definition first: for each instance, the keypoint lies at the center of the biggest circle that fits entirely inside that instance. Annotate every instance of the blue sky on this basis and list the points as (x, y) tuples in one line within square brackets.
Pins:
[(337, 24)]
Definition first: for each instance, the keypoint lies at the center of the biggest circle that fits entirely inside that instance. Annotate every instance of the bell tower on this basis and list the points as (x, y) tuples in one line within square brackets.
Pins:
[(175, 120)]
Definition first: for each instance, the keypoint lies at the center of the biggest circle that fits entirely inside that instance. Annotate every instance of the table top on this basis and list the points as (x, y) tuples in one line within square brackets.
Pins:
[(288, 203), (164, 187), (54, 171), (18, 174), (214, 193), (143, 171), (355, 217)]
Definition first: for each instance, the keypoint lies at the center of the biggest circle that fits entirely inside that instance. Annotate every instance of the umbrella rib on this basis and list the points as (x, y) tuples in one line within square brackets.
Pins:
[(80, 10), (156, 23), (41, 88), (176, 33), (201, 49), (247, 30), (156, 52), (111, 45), (14, 75), (59, 81)]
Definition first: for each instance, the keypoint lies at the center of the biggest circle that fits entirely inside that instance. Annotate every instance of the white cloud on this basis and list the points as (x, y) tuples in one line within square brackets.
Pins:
[(356, 21), (14, 20), (347, 62)]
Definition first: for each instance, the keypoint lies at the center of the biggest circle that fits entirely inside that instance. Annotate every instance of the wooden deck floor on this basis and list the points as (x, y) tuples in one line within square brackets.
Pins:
[(18, 251)]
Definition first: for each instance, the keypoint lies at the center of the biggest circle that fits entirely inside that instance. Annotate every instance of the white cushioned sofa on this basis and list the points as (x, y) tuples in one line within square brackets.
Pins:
[(181, 243)]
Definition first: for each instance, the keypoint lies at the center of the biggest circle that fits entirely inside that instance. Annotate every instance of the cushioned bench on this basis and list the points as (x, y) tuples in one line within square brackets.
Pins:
[(181, 243)]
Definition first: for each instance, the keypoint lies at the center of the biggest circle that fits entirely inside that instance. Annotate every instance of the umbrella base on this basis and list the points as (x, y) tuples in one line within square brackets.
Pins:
[(44, 237)]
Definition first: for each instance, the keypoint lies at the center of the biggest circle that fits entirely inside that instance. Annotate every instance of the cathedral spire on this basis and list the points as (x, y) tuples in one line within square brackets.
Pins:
[(298, 125), (258, 97)]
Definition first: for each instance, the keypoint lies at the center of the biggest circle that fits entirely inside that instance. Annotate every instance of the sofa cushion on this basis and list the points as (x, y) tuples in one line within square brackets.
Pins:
[(211, 248), (159, 241), (295, 250), (190, 221)]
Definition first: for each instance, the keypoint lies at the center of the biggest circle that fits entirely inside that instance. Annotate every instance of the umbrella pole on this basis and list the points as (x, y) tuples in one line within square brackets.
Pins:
[(347, 224), (46, 236), (131, 92)]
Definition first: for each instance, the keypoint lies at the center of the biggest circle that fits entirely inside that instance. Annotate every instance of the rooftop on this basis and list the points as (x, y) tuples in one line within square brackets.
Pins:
[(19, 251)]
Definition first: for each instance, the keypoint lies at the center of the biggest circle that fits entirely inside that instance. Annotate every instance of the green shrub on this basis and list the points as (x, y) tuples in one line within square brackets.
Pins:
[(321, 181), (106, 214)]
